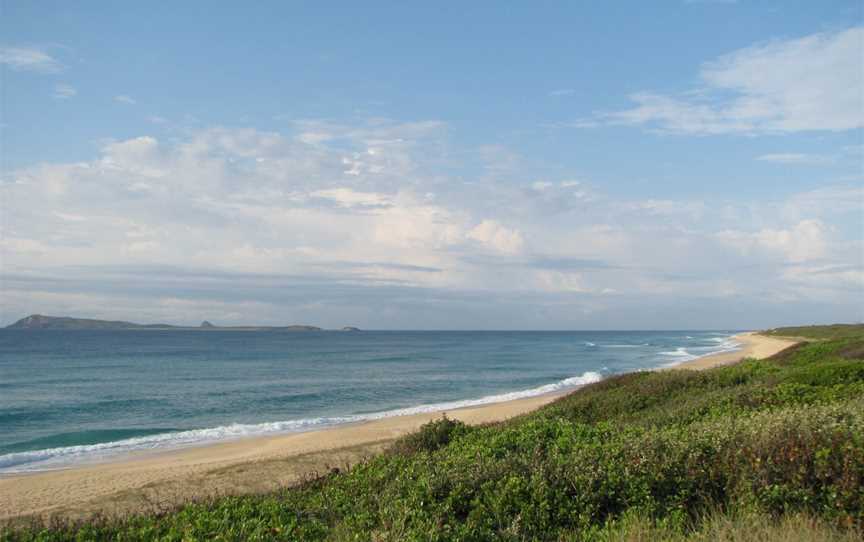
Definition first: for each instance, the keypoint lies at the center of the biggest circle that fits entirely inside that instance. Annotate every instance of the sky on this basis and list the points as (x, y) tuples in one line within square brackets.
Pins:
[(441, 165)]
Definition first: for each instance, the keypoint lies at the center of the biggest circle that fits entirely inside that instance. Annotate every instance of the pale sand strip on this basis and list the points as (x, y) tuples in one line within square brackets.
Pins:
[(754, 346), (143, 482)]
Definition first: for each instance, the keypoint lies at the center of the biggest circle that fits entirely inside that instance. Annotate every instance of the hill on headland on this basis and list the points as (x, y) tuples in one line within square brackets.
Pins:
[(39, 321)]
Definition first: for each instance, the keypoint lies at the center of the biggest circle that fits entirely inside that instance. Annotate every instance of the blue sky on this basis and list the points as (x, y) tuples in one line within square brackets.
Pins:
[(544, 165)]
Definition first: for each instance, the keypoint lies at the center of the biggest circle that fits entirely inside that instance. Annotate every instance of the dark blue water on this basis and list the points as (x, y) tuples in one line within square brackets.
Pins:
[(72, 396)]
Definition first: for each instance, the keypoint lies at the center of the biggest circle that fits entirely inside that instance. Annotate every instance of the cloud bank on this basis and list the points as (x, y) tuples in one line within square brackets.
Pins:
[(360, 223)]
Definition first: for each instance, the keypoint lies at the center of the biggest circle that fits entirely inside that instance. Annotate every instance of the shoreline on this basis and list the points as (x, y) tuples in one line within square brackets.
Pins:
[(753, 344), (147, 480), (140, 480)]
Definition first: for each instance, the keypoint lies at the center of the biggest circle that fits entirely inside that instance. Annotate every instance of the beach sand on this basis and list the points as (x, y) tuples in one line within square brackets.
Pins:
[(156, 481), (753, 346)]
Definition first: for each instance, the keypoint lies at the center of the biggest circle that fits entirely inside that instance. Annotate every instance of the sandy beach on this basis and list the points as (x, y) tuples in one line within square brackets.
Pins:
[(753, 346), (155, 481)]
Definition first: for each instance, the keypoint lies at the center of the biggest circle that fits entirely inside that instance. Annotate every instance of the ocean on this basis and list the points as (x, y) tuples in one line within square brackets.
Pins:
[(73, 397)]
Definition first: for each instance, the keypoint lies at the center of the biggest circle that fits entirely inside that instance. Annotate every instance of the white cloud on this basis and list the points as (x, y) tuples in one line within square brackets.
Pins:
[(540, 186), (784, 86), (560, 281), (314, 137), (835, 202), (793, 158), (416, 227), (557, 93), (693, 209), (124, 99), (349, 198), (139, 156), (495, 235), (64, 91), (826, 276), (28, 59), (70, 217), (807, 240)]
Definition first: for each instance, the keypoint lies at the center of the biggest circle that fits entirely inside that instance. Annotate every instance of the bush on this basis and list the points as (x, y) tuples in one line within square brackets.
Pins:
[(430, 437)]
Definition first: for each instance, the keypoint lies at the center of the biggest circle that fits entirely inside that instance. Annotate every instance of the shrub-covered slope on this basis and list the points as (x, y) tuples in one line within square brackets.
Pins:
[(753, 451), (832, 332)]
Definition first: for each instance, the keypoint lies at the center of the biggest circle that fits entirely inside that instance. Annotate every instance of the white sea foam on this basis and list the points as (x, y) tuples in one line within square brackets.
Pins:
[(682, 354), (678, 352), (55, 458)]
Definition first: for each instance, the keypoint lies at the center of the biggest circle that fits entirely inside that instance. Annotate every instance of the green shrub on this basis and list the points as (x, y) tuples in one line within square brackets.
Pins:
[(431, 436)]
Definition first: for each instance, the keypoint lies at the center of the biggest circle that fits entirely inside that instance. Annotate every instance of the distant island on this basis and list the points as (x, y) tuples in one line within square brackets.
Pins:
[(39, 321)]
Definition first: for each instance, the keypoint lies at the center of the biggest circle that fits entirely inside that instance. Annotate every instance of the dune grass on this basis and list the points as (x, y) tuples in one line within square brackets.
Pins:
[(761, 450)]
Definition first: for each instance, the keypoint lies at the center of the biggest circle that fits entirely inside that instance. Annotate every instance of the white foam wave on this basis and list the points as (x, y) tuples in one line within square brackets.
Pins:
[(588, 343), (682, 354), (54, 458), (678, 352)]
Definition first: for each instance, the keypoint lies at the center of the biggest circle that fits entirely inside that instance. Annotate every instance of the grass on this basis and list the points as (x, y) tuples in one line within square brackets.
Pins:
[(762, 450)]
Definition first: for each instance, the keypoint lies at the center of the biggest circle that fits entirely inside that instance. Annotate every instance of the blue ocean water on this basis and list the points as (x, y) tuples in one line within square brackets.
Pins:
[(68, 397)]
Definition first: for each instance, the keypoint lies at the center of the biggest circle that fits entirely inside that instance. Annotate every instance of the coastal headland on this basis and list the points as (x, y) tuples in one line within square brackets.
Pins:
[(42, 322)]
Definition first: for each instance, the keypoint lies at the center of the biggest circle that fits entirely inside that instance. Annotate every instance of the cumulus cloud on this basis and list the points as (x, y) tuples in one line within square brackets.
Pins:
[(783, 86), (124, 99)]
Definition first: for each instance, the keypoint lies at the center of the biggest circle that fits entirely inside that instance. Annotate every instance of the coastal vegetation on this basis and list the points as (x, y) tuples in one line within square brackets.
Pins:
[(835, 331), (761, 450)]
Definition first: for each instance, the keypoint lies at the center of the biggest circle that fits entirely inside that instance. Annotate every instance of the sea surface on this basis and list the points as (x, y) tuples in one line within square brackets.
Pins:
[(72, 397)]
